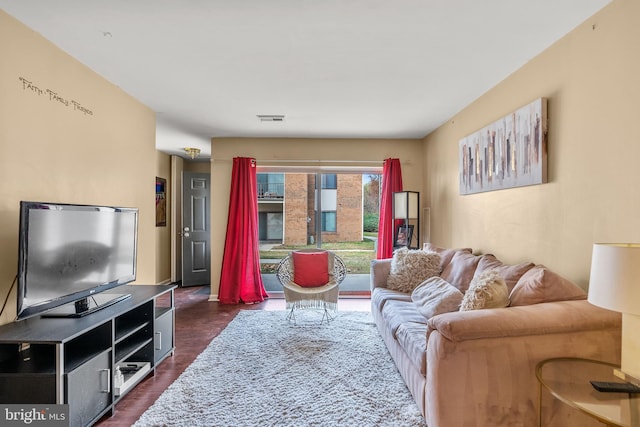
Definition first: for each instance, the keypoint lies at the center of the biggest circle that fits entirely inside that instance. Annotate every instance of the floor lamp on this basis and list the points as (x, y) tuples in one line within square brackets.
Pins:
[(406, 208)]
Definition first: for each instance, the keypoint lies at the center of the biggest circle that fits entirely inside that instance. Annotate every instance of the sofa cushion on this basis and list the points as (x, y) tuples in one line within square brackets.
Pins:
[(379, 296), (460, 270), (445, 254), (510, 273), (488, 290), (411, 267), (395, 313), (540, 284), (435, 296), (412, 337)]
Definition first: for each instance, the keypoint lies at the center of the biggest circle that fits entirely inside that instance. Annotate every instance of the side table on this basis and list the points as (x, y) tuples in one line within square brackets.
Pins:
[(568, 380)]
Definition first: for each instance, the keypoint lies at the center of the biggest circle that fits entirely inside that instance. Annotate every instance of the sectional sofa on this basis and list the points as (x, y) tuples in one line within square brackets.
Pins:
[(477, 367)]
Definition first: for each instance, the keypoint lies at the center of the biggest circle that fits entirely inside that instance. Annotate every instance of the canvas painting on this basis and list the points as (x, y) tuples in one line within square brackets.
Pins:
[(511, 152), (161, 202)]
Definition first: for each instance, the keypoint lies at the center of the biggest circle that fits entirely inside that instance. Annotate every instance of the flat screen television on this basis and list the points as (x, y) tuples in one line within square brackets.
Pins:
[(69, 254)]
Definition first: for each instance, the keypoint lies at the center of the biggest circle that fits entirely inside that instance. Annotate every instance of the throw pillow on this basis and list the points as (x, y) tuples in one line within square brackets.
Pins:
[(540, 284), (310, 269), (410, 267), (435, 296), (488, 290), (510, 273)]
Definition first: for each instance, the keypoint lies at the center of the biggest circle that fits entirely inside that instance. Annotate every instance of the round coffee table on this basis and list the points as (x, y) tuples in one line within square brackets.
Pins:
[(568, 379)]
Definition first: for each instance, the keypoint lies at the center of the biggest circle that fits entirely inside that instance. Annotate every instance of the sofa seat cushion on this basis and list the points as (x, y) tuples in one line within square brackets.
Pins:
[(412, 337), (540, 284), (395, 313), (379, 296)]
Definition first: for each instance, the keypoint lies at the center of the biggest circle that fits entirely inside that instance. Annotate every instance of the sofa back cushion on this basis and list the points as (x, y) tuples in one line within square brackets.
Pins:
[(510, 273), (461, 269), (540, 284), (445, 254)]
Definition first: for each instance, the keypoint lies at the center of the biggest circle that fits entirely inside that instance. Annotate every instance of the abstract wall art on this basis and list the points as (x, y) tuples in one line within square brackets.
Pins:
[(510, 152)]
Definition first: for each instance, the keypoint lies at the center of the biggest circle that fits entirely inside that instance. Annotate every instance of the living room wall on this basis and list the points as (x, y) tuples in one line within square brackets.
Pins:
[(68, 135), (590, 78), (294, 153)]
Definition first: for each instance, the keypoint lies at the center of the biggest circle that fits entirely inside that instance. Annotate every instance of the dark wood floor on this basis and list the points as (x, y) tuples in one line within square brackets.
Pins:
[(198, 321)]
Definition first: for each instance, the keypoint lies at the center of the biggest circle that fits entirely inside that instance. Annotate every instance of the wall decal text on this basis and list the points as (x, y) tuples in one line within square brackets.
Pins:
[(54, 96)]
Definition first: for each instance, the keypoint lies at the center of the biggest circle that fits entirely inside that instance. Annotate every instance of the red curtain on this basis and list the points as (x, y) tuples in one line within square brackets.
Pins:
[(391, 182), (240, 280)]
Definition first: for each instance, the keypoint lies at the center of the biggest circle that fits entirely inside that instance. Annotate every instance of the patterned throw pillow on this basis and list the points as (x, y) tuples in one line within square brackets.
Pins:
[(410, 267), (488, 290)]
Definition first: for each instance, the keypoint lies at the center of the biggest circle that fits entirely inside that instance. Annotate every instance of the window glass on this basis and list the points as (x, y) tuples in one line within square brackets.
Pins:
[(329, 221), (329, 181)]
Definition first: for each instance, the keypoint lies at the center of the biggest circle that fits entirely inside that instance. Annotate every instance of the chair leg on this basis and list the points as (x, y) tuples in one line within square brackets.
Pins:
[(326, 314), (291, 315)]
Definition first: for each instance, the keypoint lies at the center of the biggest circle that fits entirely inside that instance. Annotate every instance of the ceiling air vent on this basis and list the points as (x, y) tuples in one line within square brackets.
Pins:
[(271, 117)]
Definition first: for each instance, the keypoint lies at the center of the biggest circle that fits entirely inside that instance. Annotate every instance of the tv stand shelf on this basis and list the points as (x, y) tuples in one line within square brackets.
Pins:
[(73, 360)]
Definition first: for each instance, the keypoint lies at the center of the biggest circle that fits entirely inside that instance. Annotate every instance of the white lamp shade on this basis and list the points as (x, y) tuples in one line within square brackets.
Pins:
[(405, 205), (615, 277)]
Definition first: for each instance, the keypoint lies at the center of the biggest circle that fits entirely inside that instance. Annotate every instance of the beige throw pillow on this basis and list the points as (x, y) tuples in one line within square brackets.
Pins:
[(488, 290), (436, 296), (411, 267)]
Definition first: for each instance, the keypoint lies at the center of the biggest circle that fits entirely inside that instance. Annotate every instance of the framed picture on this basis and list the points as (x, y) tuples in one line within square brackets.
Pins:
[(510, 152), (161, 202), (403, 235)]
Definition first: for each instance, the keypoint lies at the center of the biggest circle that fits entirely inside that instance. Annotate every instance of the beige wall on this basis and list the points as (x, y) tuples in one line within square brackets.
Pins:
[(292, 152), (590, 78), (163, 233), (50, 151)]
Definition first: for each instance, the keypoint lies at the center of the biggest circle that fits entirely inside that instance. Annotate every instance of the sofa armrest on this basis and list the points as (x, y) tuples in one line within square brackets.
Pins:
[(481, 364), (380, 269), (545, 318)]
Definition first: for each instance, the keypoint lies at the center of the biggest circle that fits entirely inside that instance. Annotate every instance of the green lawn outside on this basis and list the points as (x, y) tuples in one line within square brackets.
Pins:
[(357, 256)]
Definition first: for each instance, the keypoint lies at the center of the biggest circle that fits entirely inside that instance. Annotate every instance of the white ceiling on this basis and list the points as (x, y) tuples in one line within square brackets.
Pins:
[(334, 68)]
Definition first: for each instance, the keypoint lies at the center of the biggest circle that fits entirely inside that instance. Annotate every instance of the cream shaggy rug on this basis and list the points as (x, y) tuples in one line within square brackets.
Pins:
[(264, 371)]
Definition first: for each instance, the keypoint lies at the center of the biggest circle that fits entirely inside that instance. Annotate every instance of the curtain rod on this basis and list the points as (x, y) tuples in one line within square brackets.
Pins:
[(349, 162)]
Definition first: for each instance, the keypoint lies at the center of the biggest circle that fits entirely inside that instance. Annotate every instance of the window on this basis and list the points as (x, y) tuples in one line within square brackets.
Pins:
[(329, 181), (270, 185), (329, 221)]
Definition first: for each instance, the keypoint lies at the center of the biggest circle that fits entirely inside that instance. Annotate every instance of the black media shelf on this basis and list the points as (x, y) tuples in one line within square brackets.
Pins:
[(72, 360)]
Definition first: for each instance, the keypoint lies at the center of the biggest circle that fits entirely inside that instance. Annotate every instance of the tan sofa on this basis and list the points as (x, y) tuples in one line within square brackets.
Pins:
[(477, 368)]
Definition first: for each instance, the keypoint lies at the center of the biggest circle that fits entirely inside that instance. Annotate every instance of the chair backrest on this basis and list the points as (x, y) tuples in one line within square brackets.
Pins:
[(337, 268)]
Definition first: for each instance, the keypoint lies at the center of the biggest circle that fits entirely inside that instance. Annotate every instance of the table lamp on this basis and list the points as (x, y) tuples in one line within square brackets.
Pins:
[(615, 285)]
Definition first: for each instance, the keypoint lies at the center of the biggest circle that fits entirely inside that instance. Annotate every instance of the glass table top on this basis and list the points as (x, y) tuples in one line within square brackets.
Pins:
[(568, 379)]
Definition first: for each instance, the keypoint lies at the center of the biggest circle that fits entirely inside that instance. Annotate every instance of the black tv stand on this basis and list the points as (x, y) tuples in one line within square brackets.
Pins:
[(87, 305), (75, 361)]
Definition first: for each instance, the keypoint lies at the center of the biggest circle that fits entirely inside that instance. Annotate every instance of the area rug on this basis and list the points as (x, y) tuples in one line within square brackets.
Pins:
[(265, 371)]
